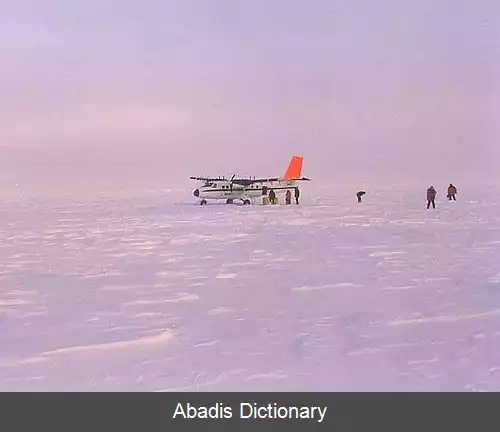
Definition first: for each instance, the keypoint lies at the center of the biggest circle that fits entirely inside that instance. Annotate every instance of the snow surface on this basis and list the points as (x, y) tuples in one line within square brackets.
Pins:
[(157, 293)]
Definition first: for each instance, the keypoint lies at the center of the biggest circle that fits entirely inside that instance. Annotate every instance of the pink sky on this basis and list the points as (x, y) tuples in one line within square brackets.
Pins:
[(377, 91)]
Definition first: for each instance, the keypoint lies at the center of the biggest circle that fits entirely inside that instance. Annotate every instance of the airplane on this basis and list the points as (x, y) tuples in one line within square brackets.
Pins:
[(247, 190)]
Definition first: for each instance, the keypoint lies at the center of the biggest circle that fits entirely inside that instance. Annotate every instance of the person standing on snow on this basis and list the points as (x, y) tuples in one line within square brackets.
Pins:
[(452, 191), (431, 197), (272, 197)]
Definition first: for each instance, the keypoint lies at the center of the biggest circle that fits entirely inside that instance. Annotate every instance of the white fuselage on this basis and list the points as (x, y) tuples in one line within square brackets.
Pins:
[(223, 190)]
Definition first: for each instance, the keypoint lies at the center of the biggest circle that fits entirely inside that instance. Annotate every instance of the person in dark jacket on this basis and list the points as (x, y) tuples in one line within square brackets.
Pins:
[(288, 197), (452, 191), (297, 195), (360, 194), (431, 197), (272, 196)]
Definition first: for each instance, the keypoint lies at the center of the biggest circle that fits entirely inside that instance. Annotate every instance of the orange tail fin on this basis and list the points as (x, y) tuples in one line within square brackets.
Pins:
[(294, 170)]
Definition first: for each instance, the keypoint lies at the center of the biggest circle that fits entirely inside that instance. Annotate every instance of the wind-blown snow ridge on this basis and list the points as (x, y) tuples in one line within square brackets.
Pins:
[(445, 318), (135, 344)]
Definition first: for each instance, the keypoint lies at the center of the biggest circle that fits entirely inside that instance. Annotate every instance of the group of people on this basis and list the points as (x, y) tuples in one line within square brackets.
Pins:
[(288, 196), (431, 195)]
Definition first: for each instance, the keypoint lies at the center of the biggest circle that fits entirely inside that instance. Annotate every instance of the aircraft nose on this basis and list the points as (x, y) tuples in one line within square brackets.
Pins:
[(196, 192)]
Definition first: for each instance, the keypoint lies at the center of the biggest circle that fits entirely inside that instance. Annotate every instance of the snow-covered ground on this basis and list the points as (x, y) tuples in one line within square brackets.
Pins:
[(158, 293)]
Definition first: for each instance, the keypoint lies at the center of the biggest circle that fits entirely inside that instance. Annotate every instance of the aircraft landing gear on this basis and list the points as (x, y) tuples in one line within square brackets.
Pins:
[(203, 202)]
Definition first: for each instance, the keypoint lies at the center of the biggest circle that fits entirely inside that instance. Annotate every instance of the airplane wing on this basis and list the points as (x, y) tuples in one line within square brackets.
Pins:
[(247, 182), (269, 179), (207, 179)]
